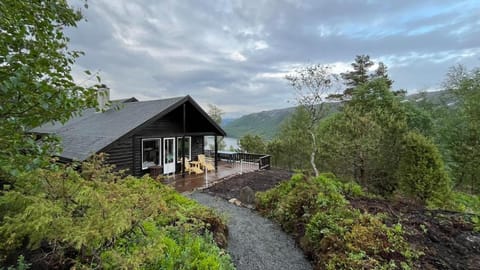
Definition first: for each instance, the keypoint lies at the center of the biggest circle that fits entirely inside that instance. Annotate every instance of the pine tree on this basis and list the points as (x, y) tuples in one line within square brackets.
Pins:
[(359, 74)]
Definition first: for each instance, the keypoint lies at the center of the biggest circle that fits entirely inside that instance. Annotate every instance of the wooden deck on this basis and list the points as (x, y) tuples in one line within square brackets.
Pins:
[(191, 181)]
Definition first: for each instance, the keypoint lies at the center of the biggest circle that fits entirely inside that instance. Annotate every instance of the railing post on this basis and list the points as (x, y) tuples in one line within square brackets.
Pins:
[(241, 166)]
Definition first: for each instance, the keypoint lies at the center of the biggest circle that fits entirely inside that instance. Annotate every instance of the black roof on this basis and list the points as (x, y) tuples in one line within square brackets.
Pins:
[(93, 131)]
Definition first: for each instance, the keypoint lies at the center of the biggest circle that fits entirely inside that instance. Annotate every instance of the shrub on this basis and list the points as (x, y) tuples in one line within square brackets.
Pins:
[(336, 235), (421, 173), (96, 217)]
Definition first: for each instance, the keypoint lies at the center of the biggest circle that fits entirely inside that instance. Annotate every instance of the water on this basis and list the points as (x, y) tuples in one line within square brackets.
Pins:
[(230, 143)]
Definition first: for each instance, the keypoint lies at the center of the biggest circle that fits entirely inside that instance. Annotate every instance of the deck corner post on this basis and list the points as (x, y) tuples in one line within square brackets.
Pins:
[(215, 153), (183, 140)]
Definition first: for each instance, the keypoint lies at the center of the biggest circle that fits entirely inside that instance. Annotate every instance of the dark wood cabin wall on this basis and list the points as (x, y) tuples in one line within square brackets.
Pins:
[(137, 155), (126, 153), (164, 127), (121, 154), (197, 146)]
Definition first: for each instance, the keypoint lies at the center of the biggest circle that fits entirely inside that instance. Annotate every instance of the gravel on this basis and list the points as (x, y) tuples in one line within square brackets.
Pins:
[(255, 242)]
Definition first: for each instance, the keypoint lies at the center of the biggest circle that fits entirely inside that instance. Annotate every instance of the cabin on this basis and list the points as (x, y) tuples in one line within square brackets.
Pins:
[(137, 136)]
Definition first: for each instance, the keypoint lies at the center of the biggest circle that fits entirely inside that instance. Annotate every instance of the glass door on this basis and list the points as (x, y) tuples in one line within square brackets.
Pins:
[(168, 155)]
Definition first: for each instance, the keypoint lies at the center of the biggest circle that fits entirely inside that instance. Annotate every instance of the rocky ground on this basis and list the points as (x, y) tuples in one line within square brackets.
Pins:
[(446, 238)]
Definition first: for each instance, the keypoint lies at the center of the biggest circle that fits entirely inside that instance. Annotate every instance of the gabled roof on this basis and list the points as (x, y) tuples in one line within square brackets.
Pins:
[(93, 131)]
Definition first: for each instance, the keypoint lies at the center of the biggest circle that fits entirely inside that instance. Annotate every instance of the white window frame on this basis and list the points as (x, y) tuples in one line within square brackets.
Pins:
[(189, 147), (159, 150)]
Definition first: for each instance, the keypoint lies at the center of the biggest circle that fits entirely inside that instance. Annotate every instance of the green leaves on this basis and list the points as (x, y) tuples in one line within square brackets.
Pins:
[(35, 79), (421, 173), (316, 211), (108, 220)]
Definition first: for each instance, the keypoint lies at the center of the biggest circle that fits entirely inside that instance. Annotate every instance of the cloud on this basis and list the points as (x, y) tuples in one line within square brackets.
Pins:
[(235, 54)]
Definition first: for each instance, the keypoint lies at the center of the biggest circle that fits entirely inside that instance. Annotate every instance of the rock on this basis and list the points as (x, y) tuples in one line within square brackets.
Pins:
[(235, 201), (247, 195)]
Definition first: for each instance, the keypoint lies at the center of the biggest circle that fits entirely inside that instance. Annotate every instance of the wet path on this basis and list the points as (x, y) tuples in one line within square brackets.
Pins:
[(255, 242)]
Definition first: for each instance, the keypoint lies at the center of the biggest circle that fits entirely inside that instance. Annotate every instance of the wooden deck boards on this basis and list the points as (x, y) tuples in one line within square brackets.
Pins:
[(191, 181)]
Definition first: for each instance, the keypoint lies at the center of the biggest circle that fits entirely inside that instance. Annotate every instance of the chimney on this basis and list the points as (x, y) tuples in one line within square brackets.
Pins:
[(103, 97)]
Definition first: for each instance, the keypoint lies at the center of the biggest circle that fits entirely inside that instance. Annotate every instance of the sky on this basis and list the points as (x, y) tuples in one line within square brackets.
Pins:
[(235, 54)]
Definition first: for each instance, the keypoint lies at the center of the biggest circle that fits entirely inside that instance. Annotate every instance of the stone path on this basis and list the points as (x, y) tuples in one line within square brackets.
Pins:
[(255, 242)]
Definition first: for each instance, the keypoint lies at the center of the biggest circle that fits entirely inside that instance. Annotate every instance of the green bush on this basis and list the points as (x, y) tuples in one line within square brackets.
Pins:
[(421, 173), (87, 218), (165, 247), (336, 235)]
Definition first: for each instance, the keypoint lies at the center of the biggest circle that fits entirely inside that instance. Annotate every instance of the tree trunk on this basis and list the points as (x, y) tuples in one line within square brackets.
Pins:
[(312, 155)]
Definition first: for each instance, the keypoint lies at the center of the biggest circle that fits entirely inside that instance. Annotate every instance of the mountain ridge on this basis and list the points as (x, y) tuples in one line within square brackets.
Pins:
[(267, 123)]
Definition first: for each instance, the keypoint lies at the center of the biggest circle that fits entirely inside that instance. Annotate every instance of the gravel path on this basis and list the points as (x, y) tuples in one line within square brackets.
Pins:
[(255, 242)]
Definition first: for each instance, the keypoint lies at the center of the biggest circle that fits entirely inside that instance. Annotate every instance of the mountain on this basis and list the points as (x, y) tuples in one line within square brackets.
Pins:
[(264, 123), (267, 123)]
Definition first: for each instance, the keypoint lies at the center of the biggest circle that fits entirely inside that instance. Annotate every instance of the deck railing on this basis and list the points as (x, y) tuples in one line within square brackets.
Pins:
[(262, 160)]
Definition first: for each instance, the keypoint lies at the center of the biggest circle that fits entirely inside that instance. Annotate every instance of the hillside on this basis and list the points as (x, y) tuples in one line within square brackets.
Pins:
[(264, 123), (267, 123)]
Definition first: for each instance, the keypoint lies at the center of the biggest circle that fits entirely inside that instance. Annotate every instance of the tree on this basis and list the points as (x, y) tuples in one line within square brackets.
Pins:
[(252, 144), (382, 73), (216, 114), (362, 140), (35, 80), (463, 127), (359, 74), (312, 85), (291, 147), (421, 173)]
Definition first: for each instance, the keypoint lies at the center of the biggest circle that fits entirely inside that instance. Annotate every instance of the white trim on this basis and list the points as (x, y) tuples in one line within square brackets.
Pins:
[(189, 146), (172, 166), (159, 150)]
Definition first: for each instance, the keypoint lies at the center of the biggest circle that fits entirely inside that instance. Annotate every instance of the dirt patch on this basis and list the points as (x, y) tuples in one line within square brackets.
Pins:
[(257, 181), (446, 238)]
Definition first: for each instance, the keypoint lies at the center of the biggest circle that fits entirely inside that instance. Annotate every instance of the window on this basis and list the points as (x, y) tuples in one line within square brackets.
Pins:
[(150, 153), (188, 144)]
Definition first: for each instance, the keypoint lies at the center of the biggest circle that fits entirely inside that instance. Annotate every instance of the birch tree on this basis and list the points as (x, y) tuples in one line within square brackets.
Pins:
[(312, 85)]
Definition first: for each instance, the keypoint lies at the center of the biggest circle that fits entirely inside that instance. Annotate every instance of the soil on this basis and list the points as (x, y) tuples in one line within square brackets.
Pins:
[(446, 238), (258, 181)]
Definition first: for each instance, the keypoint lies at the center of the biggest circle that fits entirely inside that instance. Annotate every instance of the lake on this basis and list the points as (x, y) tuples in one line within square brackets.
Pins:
[(229, 142)]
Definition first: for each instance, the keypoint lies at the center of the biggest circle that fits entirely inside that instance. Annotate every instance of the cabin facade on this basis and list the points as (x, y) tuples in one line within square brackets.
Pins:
[(138, 136)]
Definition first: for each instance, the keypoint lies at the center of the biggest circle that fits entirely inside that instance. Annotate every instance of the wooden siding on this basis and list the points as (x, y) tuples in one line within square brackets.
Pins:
[(121, 154), (197, 146), (126, 153)]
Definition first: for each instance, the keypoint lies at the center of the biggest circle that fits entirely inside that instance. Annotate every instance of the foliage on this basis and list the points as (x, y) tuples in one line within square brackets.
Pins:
[(463, 128), (289, 149), (466, 203), (361, 75), (35, 81), (360, 142), (252, 144), (81, 218), (337, 236), (421, 173), (312, 84), (216, 114), (21, 264)]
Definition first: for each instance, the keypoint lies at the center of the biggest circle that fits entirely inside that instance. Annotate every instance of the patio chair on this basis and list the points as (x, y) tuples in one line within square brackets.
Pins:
[(204, 164), (189, 168)]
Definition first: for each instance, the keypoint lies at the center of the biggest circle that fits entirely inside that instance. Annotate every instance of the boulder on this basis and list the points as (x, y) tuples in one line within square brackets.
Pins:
[(247, 195)]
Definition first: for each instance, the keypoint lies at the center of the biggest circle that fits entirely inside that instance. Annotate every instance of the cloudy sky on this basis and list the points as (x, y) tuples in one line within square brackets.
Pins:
[(235, 54)]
